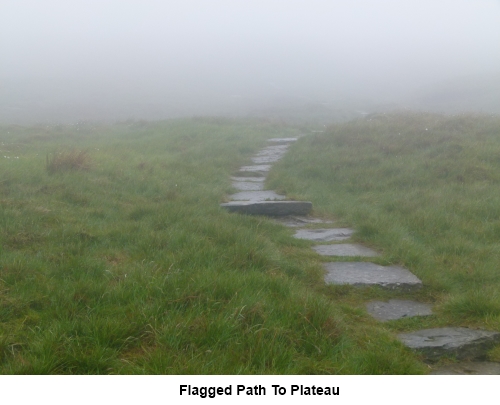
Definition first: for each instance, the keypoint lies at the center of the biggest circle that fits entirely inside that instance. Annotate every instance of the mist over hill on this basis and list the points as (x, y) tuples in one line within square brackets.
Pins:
[(323, 60)]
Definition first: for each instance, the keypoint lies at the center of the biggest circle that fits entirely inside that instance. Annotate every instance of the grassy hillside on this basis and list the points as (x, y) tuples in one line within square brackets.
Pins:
[(424, 190), (116, 258)]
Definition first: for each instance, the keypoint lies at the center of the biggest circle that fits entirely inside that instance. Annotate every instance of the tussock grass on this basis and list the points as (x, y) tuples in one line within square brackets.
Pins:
[(424, 189), (132, 267), (67, 160)]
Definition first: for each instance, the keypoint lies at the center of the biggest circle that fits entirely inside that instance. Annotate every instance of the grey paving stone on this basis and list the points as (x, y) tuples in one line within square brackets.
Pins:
[(345, 249), (295, 222), (255, 170), (248, 178), (269, 208), (397, 309), (248, 185), (270, 154), (468, 368), (462, 343), (256, 196), (363, 274), (265, 159), (324, 235)]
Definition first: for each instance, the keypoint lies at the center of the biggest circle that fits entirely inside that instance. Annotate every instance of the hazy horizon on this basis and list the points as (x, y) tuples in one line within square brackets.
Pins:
[(111, 60)]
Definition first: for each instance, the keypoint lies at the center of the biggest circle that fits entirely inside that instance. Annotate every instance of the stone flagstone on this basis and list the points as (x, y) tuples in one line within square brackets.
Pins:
[(255, 170), (282, 140), (269, 208), (295, 222), (468, 368), (324, 235), (256, 196), (248, 185), (397, 309), (344, 249), (248, 178), (270, 154), (363, 274), (462, 343)]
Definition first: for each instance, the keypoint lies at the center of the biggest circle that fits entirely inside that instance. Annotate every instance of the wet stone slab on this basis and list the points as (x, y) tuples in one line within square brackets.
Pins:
[(255, 170), (270, 154), (397, 309), (266, 159), (248, 185), (461, 343), (248, 178), (296, 222), (345, 249), (363, 274), (324, 235), (256, 196), (269, 208), (468, 368)]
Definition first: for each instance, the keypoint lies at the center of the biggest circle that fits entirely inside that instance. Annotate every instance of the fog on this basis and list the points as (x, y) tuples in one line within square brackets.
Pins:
[(63, 61)]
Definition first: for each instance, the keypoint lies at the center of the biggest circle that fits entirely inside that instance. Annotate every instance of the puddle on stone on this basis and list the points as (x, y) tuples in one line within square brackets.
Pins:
[(345, 249), (324, 235), (397, 309)]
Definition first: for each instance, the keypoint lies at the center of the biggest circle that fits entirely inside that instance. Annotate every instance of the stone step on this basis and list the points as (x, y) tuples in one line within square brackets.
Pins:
[(295, 222), (254, 170), (397, 309), (248, 185), (269, 208), (324, 235), (468, 368), (282, 140), (364, 274), (256, 196), (273, 149), (461, 343), (246, 179), (265, 159), (345, 249)]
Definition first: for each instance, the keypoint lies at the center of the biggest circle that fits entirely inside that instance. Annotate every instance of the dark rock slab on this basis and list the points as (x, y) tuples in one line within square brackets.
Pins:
[(248, 185), (462, 343), (324, 235), (363, 274), (345, 249), (282, 140), (256, 196), (397, 309), (468, 368), (295, 222), (269, 208)]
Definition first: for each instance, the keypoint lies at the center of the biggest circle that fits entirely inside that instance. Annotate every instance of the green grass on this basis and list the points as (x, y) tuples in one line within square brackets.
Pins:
[(424, 190), (116, 258)]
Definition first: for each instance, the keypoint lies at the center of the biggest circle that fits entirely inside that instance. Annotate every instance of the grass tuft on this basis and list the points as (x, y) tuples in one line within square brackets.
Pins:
[(72, 160)]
